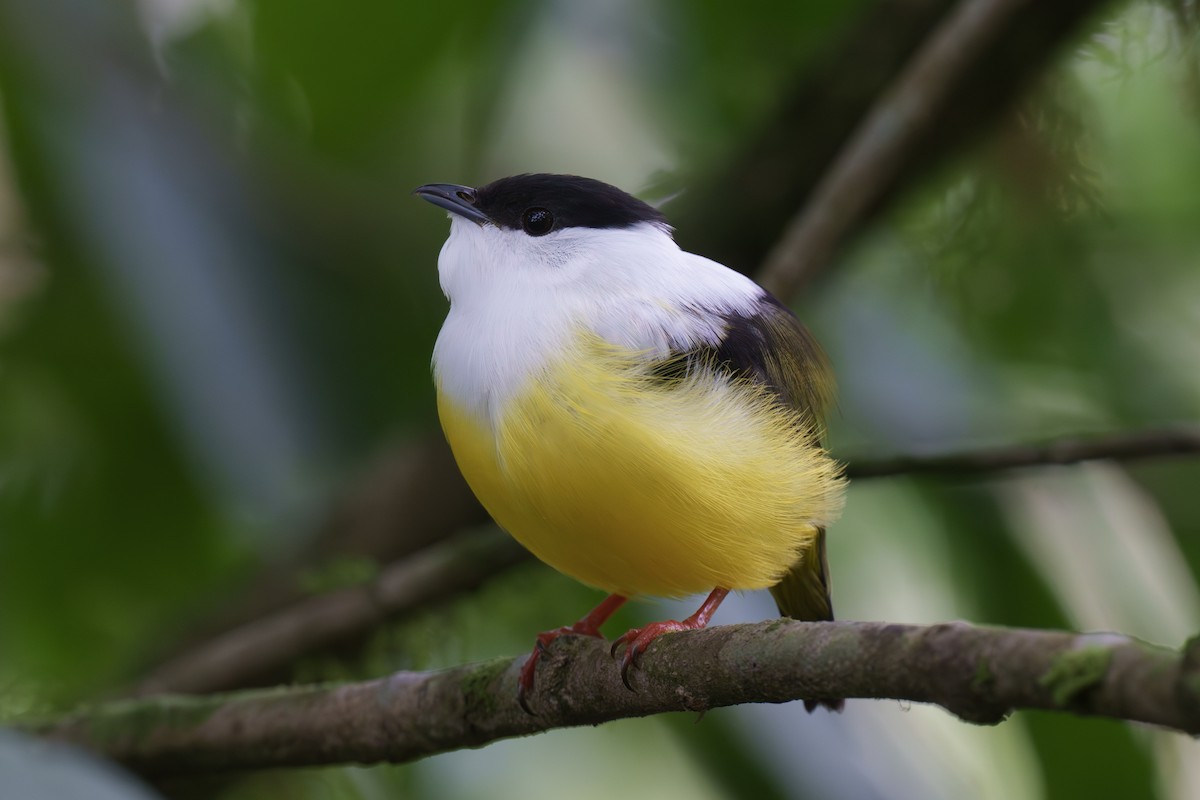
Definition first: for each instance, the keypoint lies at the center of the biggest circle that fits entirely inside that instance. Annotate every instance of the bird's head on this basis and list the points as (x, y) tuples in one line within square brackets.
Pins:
[(546, 232)]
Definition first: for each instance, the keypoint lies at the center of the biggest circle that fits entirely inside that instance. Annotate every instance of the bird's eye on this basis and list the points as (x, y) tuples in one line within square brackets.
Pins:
[(537, 221)]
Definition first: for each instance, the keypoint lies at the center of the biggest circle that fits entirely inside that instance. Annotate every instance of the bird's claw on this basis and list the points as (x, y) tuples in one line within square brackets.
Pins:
[(627, 662), (525, 682), (632, 653), (523, 702), (637, 641)]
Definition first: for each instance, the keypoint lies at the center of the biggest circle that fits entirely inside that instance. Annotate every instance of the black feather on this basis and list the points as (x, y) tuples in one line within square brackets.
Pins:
[(767, 346)]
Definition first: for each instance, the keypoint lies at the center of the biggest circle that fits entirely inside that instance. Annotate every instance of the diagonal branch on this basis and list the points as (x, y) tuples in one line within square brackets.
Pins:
[(411, 495), (734, 215), (261, 651), (980, 674), (898, 126)]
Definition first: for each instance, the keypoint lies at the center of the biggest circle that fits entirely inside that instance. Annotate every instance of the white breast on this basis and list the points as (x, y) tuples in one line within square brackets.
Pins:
[(518, 302)]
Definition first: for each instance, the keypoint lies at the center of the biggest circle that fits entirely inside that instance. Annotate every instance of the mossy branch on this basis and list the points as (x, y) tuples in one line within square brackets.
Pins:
[(980, 674)]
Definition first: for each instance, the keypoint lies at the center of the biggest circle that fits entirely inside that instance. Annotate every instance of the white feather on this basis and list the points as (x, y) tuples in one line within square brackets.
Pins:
[(517, 302)]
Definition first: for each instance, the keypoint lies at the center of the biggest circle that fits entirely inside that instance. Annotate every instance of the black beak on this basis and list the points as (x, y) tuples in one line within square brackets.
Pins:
[(455, 199)]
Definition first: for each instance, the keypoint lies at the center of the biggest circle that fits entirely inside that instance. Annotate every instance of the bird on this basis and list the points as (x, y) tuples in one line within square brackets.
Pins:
[(641, 418)]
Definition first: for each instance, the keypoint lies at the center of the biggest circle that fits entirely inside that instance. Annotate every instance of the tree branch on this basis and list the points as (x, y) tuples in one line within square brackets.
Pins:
[(1117, 447), (980, 674)]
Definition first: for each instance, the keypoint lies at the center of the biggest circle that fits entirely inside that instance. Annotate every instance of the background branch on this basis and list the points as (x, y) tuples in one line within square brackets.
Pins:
[(261, 652), (980, 674), (801, 157), (874, 155), (410, 496), (1129, 446)]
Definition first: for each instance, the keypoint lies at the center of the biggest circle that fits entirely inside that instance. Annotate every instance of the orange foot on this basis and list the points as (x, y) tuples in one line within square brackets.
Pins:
[(638, 639), (588, 626)]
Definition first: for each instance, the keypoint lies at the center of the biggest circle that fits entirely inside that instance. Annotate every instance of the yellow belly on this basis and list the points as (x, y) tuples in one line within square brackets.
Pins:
[(642, 487)]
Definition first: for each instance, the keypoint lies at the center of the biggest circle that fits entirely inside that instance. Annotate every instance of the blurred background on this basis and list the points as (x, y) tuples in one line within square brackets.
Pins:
[(218, 301)]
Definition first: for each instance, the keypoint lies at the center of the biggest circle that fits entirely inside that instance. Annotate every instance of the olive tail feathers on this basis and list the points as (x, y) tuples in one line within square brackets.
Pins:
[(804, 594)]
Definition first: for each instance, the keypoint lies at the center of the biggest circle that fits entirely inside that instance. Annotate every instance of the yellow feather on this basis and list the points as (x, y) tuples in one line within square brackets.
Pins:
[(644, 486)]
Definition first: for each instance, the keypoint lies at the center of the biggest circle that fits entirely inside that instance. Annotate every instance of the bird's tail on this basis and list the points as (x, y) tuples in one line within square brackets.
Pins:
[(804, 594)]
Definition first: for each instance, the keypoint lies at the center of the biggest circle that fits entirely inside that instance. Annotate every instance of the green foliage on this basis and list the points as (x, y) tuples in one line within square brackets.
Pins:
[(217, 300)]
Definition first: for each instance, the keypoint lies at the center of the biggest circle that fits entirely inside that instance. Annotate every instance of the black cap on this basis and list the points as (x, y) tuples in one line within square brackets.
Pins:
[(572, 202)]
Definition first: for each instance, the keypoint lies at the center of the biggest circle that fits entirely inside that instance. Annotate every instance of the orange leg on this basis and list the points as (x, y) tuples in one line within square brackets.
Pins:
[(639, 639), (588, 626)]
